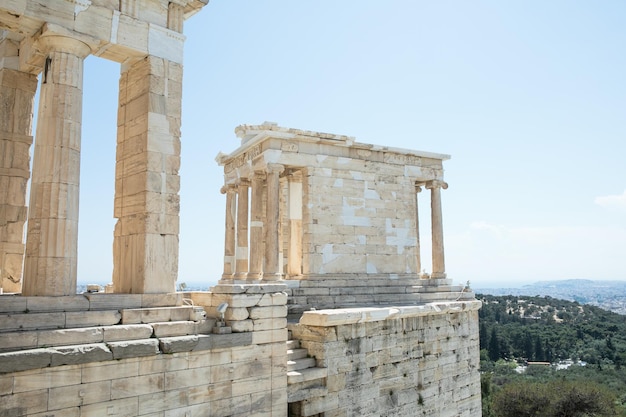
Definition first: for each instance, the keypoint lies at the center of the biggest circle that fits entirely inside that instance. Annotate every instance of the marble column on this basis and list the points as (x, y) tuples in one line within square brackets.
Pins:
[(439, 269), (17, 92), (229, 231), (294, 252), (52, 238), (147, 183), (272, 236), (256, 227), (241, 253), (418, 255)]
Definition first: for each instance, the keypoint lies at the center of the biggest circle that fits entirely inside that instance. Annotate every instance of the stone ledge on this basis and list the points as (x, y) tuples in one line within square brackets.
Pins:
[(23, 360), (304, 375), (328, 318), (239, 287), (14, 303)]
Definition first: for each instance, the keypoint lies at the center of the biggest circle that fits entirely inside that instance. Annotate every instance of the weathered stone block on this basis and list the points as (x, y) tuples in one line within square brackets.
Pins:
[(174, 328), (46, 338), (241, 326), (92, 318), (71, 355), (134, 348), (126, 332), (66, 303), (135, 386), (25, 359), (178, 344), (270, 324), (268, 312)]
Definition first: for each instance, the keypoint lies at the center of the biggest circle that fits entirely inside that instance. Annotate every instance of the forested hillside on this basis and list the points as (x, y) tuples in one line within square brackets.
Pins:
[(548, 329), (517, 330)]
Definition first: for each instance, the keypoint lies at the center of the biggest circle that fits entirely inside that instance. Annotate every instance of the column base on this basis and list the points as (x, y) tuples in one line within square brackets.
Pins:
[(438, 275), (273, 277), (254, 276)]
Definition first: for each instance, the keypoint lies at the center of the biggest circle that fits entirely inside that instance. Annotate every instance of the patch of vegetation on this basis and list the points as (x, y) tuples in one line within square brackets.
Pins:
[(518, 331)]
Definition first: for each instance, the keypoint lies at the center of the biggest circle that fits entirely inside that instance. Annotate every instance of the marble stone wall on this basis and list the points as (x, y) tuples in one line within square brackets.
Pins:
[(404, 361)]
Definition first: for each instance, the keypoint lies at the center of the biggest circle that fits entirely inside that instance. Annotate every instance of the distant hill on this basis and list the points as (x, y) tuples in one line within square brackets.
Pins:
[(543, 328), (609, 295)]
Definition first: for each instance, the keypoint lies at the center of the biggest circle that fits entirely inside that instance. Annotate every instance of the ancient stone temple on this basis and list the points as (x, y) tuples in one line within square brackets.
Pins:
[(336, 219), (323, 308)]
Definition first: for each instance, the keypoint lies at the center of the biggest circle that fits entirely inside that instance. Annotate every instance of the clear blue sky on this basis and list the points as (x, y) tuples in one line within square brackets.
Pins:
[(528, 97)]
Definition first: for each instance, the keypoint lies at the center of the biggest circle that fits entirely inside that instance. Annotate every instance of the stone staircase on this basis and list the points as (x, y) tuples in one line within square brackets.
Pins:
[(304, 378)]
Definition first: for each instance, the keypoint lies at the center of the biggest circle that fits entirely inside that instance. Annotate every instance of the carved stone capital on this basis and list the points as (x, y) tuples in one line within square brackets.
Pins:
[(258, 176), (243, 182), (275, 168), (228, 188), (59, 43), (436, 184)]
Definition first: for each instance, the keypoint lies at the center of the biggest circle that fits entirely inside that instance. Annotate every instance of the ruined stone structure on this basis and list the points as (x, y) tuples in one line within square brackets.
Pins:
[(322, 309)]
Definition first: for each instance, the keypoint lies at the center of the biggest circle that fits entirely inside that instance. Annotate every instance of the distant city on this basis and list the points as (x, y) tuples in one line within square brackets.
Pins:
[(609, 295)]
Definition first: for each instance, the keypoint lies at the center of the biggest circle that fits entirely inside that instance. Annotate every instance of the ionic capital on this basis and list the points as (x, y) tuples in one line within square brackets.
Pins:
[(258, 176), (275, 168), (228, 188), (243, 182), (436, 184)]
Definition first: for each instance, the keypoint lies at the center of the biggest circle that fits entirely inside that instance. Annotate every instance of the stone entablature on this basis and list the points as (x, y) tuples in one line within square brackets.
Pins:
[(114, 30)]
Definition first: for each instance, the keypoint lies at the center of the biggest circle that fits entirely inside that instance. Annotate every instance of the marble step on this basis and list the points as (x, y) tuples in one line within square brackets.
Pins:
[(293, 354), (306, 375), (300, 364)]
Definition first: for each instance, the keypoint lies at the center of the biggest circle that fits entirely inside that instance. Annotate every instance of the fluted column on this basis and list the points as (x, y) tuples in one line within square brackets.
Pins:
[(256, 227), (17, 92), (439, 269), (229, 231), (52, 239), (241, 254), (418, 255), (272, 235)]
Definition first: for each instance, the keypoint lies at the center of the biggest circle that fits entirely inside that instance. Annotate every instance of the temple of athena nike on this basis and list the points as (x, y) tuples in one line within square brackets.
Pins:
[(324, 307)]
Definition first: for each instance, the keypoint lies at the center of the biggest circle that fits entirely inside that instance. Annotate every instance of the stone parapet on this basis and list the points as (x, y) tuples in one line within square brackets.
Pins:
[(405, 360)]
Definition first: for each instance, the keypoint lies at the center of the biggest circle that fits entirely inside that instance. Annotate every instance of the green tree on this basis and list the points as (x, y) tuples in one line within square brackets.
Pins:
[(520, 399), (553, 399), (494, 345)]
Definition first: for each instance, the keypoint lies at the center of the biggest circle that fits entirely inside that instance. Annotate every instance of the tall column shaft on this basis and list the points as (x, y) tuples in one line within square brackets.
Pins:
[(272, 235), (256, 227), (241, 253), (229, 229), (147, 203), (294, 251), (439, 269), (418, 255), (52, 239), (17, 92)]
